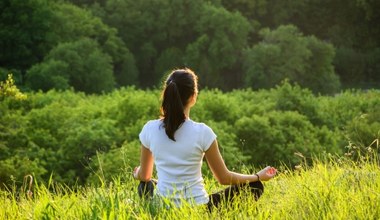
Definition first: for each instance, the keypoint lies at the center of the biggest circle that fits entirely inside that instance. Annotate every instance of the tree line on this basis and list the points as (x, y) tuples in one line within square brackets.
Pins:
[(95, 46)]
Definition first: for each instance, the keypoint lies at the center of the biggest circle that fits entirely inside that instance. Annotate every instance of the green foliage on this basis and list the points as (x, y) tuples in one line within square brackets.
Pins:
[(131, 109), (353, 67), (48, 75), (169, 58), (14, 168), (8, 89), (293, 98), (116, 161), (220, 32), (160, 44), (346, 25), (221, 40), (97, 46), (364, 131), (249, 8), (339, 111), (87, 25), (154, 36), (81, 138), (80, 64), (87, 56), (277, 136), (286, 53), (214, 105), (16, 75), (230, 146), (25, 34)]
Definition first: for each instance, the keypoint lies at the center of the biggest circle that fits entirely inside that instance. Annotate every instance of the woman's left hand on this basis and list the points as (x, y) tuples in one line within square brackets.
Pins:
[(136, 172), (267, 173)]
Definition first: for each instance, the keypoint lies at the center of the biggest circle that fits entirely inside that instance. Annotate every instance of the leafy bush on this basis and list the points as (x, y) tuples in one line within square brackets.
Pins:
[(294, 98), (217, 106), (9, 89), (78, 137), (276, 136), (230, 146), (364, 131)]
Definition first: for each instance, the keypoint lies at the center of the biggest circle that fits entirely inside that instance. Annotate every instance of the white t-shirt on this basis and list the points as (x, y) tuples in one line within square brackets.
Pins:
[(178, 163)]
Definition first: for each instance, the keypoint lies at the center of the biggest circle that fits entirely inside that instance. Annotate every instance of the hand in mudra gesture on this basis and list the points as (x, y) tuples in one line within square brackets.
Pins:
[(267, 173)]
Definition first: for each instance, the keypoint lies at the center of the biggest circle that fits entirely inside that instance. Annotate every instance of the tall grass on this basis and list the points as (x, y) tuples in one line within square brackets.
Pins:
[(337, 188)]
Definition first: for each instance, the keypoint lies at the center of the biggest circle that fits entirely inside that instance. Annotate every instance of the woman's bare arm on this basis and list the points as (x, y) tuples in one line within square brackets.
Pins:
[(145, 170), (227, 177)]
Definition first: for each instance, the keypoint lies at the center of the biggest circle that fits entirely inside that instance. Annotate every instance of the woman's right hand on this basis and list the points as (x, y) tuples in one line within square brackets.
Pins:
[(267, 173)]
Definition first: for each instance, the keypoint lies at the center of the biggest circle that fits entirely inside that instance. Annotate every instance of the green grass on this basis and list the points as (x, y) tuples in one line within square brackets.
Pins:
[(338, 189)]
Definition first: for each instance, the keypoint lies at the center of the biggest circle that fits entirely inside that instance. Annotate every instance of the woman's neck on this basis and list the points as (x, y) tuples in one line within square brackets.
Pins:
[(186, 111)]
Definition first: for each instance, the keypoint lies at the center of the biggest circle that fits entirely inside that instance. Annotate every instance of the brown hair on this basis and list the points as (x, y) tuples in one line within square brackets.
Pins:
[(180, 85)]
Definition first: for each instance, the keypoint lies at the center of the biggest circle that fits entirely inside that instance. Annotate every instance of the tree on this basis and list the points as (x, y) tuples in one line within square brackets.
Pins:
[(222, 35), (351, 26), (253, 10), (80, 64), (73, 23), (155, 36), (286, 53), (195, 34), (30, 29), (25, 34), (51, 74)]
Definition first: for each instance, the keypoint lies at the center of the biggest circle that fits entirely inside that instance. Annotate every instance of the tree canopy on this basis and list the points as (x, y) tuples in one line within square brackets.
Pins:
[(286, 53), (322, 45)]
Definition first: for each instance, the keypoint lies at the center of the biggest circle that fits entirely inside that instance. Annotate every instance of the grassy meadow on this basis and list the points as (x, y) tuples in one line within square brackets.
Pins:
[(332, 188), (82, 148)]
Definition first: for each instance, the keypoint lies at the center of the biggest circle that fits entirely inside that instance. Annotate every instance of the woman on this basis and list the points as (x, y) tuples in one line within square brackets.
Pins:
[(177, 145)]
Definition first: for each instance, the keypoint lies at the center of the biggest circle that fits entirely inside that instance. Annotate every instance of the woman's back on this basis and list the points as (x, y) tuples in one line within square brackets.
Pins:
[(178, 162)]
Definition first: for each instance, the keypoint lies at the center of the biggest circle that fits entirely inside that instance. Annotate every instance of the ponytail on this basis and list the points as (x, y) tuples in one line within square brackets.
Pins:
[(180, 86), (173, 110)]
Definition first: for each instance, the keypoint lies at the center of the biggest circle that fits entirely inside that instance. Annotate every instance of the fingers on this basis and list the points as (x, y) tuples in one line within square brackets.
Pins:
[(272, 171), (269, 172), (136, 172)]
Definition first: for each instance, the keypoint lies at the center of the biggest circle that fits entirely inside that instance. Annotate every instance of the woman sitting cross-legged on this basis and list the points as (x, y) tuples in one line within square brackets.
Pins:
[(176, 145)]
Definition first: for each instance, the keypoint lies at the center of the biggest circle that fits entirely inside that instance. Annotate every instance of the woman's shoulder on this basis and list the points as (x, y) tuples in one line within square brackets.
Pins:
[(206, 133), (199, 125), (153, 123)]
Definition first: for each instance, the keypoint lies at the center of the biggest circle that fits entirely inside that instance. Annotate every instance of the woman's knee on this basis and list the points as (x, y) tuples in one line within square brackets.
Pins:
[(257, 188), (146, 189)]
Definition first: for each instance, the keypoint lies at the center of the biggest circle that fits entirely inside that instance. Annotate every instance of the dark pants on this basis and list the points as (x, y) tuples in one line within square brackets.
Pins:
[(227, 195), (145, 190)]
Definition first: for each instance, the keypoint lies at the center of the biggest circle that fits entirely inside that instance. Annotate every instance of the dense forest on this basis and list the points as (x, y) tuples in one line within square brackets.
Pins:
[(95, 46), (281, 81)]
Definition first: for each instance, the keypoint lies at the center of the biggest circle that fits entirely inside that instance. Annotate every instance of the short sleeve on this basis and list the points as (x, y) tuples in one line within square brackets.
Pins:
[(144, 136), (208, 137)]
